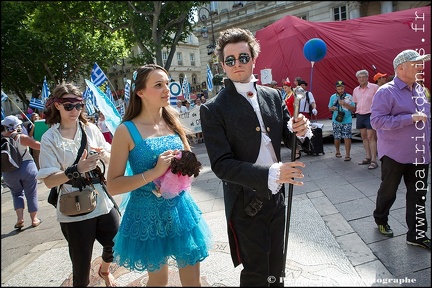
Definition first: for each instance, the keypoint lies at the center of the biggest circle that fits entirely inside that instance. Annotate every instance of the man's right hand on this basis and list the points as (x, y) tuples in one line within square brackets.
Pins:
[(289, 171)]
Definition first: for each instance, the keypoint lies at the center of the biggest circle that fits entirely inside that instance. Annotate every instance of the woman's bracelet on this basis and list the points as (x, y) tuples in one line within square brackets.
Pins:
[(145, 180)]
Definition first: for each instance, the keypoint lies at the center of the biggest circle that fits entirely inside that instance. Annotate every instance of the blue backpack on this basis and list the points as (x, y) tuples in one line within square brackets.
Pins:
[(11, 158)]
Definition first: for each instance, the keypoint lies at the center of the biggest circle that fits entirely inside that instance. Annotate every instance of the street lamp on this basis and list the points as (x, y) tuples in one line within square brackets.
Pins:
[(204, 30)]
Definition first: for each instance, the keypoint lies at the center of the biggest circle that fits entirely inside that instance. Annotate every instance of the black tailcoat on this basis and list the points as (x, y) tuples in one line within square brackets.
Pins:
[(232, 135)]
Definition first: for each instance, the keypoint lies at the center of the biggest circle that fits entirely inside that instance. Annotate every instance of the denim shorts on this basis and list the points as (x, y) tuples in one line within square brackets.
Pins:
[(363, 121)]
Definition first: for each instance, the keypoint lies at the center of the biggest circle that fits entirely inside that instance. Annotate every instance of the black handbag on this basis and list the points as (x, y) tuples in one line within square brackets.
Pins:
[(340, 114), (54, 193)]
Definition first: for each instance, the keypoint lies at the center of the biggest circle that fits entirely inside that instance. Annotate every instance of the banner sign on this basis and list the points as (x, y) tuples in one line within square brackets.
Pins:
[(191, 120)]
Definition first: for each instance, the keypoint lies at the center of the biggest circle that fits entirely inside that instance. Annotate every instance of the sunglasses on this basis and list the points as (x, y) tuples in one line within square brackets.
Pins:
[(244, 58), (70, 107)]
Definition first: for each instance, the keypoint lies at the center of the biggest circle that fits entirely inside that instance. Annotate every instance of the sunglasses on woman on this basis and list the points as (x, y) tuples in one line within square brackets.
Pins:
[(244, 58), (70, 107)]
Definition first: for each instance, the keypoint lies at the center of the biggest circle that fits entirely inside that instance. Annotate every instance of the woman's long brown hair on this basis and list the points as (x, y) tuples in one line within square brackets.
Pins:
[(139, 82)]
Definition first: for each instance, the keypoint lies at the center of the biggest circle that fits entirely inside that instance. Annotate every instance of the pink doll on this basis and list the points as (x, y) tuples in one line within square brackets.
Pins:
[(179, 177)]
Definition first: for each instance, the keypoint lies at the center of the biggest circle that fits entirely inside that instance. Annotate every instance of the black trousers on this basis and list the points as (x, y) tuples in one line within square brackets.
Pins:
[(81, 236), (261, 242), (415, 178)]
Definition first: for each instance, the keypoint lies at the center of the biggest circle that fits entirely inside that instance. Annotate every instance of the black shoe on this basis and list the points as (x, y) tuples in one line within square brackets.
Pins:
[(422, 242), (385, 230)]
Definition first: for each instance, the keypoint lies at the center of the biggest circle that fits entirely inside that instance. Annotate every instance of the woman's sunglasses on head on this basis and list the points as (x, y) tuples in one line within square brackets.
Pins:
[(70, 107), (244, 58)]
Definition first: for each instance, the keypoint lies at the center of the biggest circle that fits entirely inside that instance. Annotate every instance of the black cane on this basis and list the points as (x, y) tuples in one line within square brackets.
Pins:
[(299, 94)]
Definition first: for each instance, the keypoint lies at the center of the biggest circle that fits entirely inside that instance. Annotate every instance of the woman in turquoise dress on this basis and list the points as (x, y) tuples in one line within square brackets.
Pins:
[(154, 230)]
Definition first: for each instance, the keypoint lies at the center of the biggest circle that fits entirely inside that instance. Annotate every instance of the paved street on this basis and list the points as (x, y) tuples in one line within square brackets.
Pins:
[(333, 239)]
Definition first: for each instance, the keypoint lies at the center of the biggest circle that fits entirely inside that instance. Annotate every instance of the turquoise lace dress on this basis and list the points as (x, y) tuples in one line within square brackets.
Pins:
[(153, 229)]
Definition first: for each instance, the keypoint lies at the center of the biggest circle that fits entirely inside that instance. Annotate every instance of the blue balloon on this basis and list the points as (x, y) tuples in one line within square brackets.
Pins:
[(315, 49)]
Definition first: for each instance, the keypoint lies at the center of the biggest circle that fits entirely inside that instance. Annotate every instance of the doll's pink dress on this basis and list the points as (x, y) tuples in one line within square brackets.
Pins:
[(171, 185)]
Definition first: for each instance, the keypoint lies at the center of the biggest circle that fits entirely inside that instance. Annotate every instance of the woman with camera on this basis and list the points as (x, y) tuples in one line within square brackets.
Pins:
[(66, 162), (341, 105)]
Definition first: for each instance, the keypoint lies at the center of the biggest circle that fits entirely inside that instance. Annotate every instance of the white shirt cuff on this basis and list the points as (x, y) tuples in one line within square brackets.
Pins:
[(274, 174), (308, 134)]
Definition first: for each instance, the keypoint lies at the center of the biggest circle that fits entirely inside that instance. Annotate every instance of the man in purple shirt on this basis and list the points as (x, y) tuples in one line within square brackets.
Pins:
[(401, 116)]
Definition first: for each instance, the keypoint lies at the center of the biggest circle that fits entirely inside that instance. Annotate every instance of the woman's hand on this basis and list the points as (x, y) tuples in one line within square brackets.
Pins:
[(164, 161), (103, 155), (89, 163)]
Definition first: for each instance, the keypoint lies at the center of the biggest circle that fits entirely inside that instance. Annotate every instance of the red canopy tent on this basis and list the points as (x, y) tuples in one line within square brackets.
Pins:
[(352, 45)]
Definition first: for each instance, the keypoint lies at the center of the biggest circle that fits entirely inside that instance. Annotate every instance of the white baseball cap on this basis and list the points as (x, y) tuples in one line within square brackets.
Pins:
[(11, 122), (409, 55)]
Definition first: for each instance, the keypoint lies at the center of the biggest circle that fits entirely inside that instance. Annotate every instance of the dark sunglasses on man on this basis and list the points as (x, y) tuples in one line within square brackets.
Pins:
[(244, 58)]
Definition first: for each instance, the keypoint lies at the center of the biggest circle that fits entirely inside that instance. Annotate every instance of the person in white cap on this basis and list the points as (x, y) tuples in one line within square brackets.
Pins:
[(22, 181), (401, 116)]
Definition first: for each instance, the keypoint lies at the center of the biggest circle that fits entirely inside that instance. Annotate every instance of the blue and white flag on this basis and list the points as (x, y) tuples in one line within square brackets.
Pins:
[(90, 101), (37, 104), (45, 91), (112, 116), (209, 79), (109, 94), (98, 77), (185, 88), (127, 91), (122, 110), (90, 108), (4, 97)]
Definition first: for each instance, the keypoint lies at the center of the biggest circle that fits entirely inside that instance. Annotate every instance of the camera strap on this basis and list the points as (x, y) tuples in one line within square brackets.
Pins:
[(341, 97), (78, 182)]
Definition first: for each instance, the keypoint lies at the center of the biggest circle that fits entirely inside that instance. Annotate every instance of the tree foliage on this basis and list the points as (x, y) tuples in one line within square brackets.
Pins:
[(39, 41), (152, 25), (63, 39)]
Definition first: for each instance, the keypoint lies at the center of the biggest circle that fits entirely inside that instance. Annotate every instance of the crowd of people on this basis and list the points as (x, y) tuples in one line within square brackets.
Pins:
[(154, 229)]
